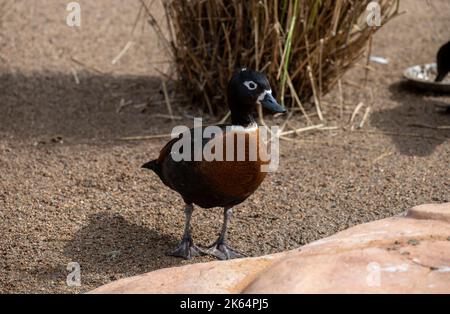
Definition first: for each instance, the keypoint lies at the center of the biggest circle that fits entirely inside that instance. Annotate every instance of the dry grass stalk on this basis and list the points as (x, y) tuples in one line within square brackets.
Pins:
[(365, 116), (88, 67), (320, 71), (297, 100), (75, 76), (225, 118), (384, 155), (167, 116), (316, 98), (210, 39), (355, 112), (146, 137), (341, 99), (167, 100), (123, 104), (301, 130), (122, 52)]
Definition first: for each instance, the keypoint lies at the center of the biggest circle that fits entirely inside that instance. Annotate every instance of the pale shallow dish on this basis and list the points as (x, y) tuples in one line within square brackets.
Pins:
[(422, 76)]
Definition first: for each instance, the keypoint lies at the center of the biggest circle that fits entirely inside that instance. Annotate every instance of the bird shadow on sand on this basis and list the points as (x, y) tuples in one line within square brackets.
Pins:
[(416, 117), (109, 244)]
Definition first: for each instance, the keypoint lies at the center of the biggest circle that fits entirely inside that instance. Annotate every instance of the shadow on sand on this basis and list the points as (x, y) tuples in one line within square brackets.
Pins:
[(109, 244), (109, 248), (415, 115), (49, 105)]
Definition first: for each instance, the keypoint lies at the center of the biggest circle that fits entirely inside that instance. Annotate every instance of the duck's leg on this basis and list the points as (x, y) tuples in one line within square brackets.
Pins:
[(187, 249), (220, 249)]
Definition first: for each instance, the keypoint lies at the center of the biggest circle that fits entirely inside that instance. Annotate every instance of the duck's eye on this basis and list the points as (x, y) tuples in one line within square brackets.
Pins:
[(250, 85)]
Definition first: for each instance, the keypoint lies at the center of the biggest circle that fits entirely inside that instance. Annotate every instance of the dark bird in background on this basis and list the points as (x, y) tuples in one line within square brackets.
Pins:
[(443, 62), (218, 183)]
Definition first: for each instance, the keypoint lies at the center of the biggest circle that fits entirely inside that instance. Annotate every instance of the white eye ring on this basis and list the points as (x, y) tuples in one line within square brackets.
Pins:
[(250, 85)]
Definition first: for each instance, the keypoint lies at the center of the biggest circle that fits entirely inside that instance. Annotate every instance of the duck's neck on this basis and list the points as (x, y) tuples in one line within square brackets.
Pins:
[(238, 118)]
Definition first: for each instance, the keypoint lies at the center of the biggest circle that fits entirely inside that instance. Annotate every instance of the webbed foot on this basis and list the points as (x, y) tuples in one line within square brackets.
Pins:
[(222, 252), (187, 250)]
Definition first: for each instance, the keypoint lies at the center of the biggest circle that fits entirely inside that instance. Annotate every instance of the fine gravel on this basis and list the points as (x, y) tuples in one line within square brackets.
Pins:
[(72, 191)]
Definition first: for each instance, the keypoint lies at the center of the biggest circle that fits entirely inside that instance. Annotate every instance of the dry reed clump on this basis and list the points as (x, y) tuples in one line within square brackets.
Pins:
[(303, 46)]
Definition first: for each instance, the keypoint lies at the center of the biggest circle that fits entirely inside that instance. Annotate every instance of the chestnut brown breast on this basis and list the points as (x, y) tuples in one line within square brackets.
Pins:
[(218, 183)]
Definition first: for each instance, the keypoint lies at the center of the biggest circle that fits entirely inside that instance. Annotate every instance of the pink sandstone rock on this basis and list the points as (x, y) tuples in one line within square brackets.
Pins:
[(431, 211), (404, 254), (213, 277)]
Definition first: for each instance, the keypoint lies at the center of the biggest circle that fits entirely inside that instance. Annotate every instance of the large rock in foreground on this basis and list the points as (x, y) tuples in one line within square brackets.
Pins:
[(404, 254)]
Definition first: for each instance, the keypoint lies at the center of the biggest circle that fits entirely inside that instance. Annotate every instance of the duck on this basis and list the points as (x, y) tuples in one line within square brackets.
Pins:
[(443, 62), (220, 183)]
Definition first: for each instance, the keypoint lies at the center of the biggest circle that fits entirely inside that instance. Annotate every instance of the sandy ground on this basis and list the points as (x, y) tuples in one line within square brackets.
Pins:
[(70, 191)]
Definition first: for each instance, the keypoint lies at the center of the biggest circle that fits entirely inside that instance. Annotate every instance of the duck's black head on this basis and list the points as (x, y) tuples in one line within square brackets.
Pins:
[(443, 62), (246, 89)]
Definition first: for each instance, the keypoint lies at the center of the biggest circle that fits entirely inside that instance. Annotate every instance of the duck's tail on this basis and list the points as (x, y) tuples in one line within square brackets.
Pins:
[(151, 165)]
